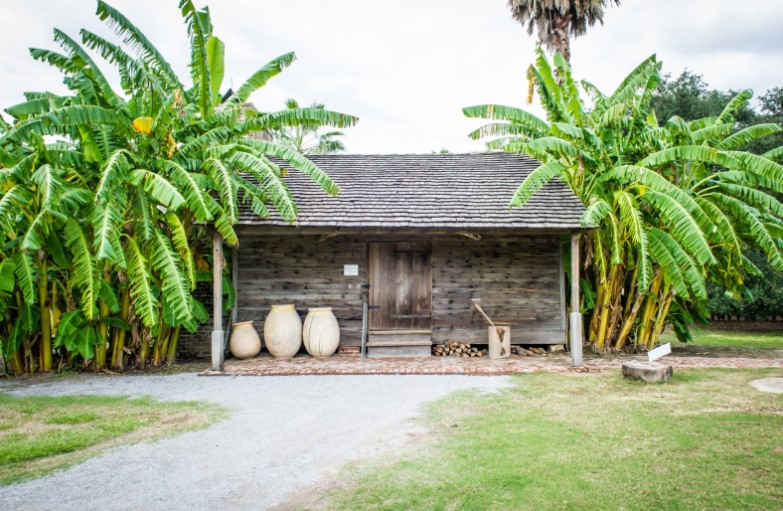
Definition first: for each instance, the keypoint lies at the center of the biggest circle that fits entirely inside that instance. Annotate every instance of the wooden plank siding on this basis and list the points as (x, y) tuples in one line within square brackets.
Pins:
[(515, 278)]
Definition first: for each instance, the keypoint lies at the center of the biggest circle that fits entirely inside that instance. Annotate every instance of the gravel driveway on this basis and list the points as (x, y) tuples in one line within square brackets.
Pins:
[(283, 436)]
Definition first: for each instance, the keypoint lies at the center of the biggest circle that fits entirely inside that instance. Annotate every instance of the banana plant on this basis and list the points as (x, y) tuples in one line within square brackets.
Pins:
[(672, 204), (146, 169)]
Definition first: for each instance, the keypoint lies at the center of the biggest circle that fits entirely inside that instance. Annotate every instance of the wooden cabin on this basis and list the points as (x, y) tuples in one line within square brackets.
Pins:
[(430, 234)]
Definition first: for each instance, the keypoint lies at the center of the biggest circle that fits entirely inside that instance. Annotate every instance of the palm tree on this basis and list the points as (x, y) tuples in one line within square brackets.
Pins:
[(307, 138), (558, 20), (672, 205)]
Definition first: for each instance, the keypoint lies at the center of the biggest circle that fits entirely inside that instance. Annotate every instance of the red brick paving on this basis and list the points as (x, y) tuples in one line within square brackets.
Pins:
[(554, 363)]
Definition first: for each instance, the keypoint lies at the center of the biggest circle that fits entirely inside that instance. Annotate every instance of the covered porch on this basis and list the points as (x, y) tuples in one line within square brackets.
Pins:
[(420, 240)]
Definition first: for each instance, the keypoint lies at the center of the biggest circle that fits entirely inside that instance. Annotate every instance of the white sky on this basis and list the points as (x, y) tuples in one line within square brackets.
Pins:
[(406, 68)]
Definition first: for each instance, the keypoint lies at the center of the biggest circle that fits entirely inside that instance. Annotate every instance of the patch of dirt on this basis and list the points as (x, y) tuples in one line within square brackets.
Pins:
[(21, 380), (692, 350), (415, 440)]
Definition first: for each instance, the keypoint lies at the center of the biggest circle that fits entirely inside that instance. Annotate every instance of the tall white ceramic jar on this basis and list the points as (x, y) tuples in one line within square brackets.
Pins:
[(321, 333), (283, 331)]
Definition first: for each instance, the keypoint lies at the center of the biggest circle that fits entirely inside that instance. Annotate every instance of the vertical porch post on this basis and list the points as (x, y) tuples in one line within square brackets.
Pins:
[(217, 302), (576, 316), (235, 281)]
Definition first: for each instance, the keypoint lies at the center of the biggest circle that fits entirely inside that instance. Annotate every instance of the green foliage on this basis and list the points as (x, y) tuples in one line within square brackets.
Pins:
[(762, 297), (104, 229), (673, 204), (306, 137)]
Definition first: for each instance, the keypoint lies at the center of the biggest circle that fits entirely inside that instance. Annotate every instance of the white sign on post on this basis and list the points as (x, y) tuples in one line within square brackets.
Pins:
[(351, 270), (658, 352)]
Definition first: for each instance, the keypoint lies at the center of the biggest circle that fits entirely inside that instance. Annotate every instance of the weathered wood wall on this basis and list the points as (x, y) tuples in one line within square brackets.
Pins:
[(516, 279), (306, 272)]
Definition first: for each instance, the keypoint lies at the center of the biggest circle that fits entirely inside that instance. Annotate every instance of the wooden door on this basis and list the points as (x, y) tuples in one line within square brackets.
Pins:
[(401, 285)]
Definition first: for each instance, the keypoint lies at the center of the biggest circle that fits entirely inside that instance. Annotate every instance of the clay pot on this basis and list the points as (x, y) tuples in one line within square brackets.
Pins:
[(283, 331), (245, 342), (321, 333)]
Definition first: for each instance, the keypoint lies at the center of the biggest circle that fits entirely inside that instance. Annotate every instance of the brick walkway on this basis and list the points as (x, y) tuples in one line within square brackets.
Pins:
[(553, 363)]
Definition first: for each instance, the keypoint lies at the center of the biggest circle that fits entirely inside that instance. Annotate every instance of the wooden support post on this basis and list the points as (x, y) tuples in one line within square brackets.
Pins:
[(235, 281), (218, 346), (576, 316)]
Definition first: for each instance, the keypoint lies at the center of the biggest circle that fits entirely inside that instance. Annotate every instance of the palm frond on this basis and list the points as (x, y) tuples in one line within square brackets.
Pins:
[(174, 285), (269, 180), (712, 133), (224, 184), (84, 274), (692, 275), (774, 154), (666, 261), (296, 160), (216, 61), (181, 243), (682, 226), (535, 181), (54, 59), (192, 192), (727, 115), (532, 125), (226, 230), (595, 212), (749, 134), (298, 117), (133, 73), (136, 39), (199, 66), (758, 165), (114, 169), (144, 302), (159, 188), (636, 80), (497, 129), (26, 274), (90, 69), (107, 224), (724, 226), (263, 75)]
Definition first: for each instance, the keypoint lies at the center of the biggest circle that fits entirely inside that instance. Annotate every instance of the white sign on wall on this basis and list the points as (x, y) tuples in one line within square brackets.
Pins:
[(351, 270)]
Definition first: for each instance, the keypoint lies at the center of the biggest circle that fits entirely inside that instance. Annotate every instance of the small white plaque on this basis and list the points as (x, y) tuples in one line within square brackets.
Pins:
[(351, 270), (659, 352)]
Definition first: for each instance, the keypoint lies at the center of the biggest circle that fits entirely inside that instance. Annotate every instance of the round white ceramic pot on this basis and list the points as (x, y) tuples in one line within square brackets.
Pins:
[(283, 331), (245, 342), (321, 333)]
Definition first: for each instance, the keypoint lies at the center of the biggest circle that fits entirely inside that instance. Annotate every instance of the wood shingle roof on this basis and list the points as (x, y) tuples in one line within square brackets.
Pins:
[(443, 191)]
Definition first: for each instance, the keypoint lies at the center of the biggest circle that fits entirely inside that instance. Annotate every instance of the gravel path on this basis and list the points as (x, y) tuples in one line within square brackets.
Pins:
[(283, 436)]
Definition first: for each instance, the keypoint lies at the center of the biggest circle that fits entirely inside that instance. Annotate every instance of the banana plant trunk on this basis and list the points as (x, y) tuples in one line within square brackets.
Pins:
[(171, 354), (118, 343), (45, 347), (103, 337)]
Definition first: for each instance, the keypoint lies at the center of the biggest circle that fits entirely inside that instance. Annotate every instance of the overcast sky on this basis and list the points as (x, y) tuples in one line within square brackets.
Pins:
[(406, 68)]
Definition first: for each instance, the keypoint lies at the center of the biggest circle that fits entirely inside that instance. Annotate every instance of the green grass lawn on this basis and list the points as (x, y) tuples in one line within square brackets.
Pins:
[(42, 434), (729, 339), (706, 440)]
